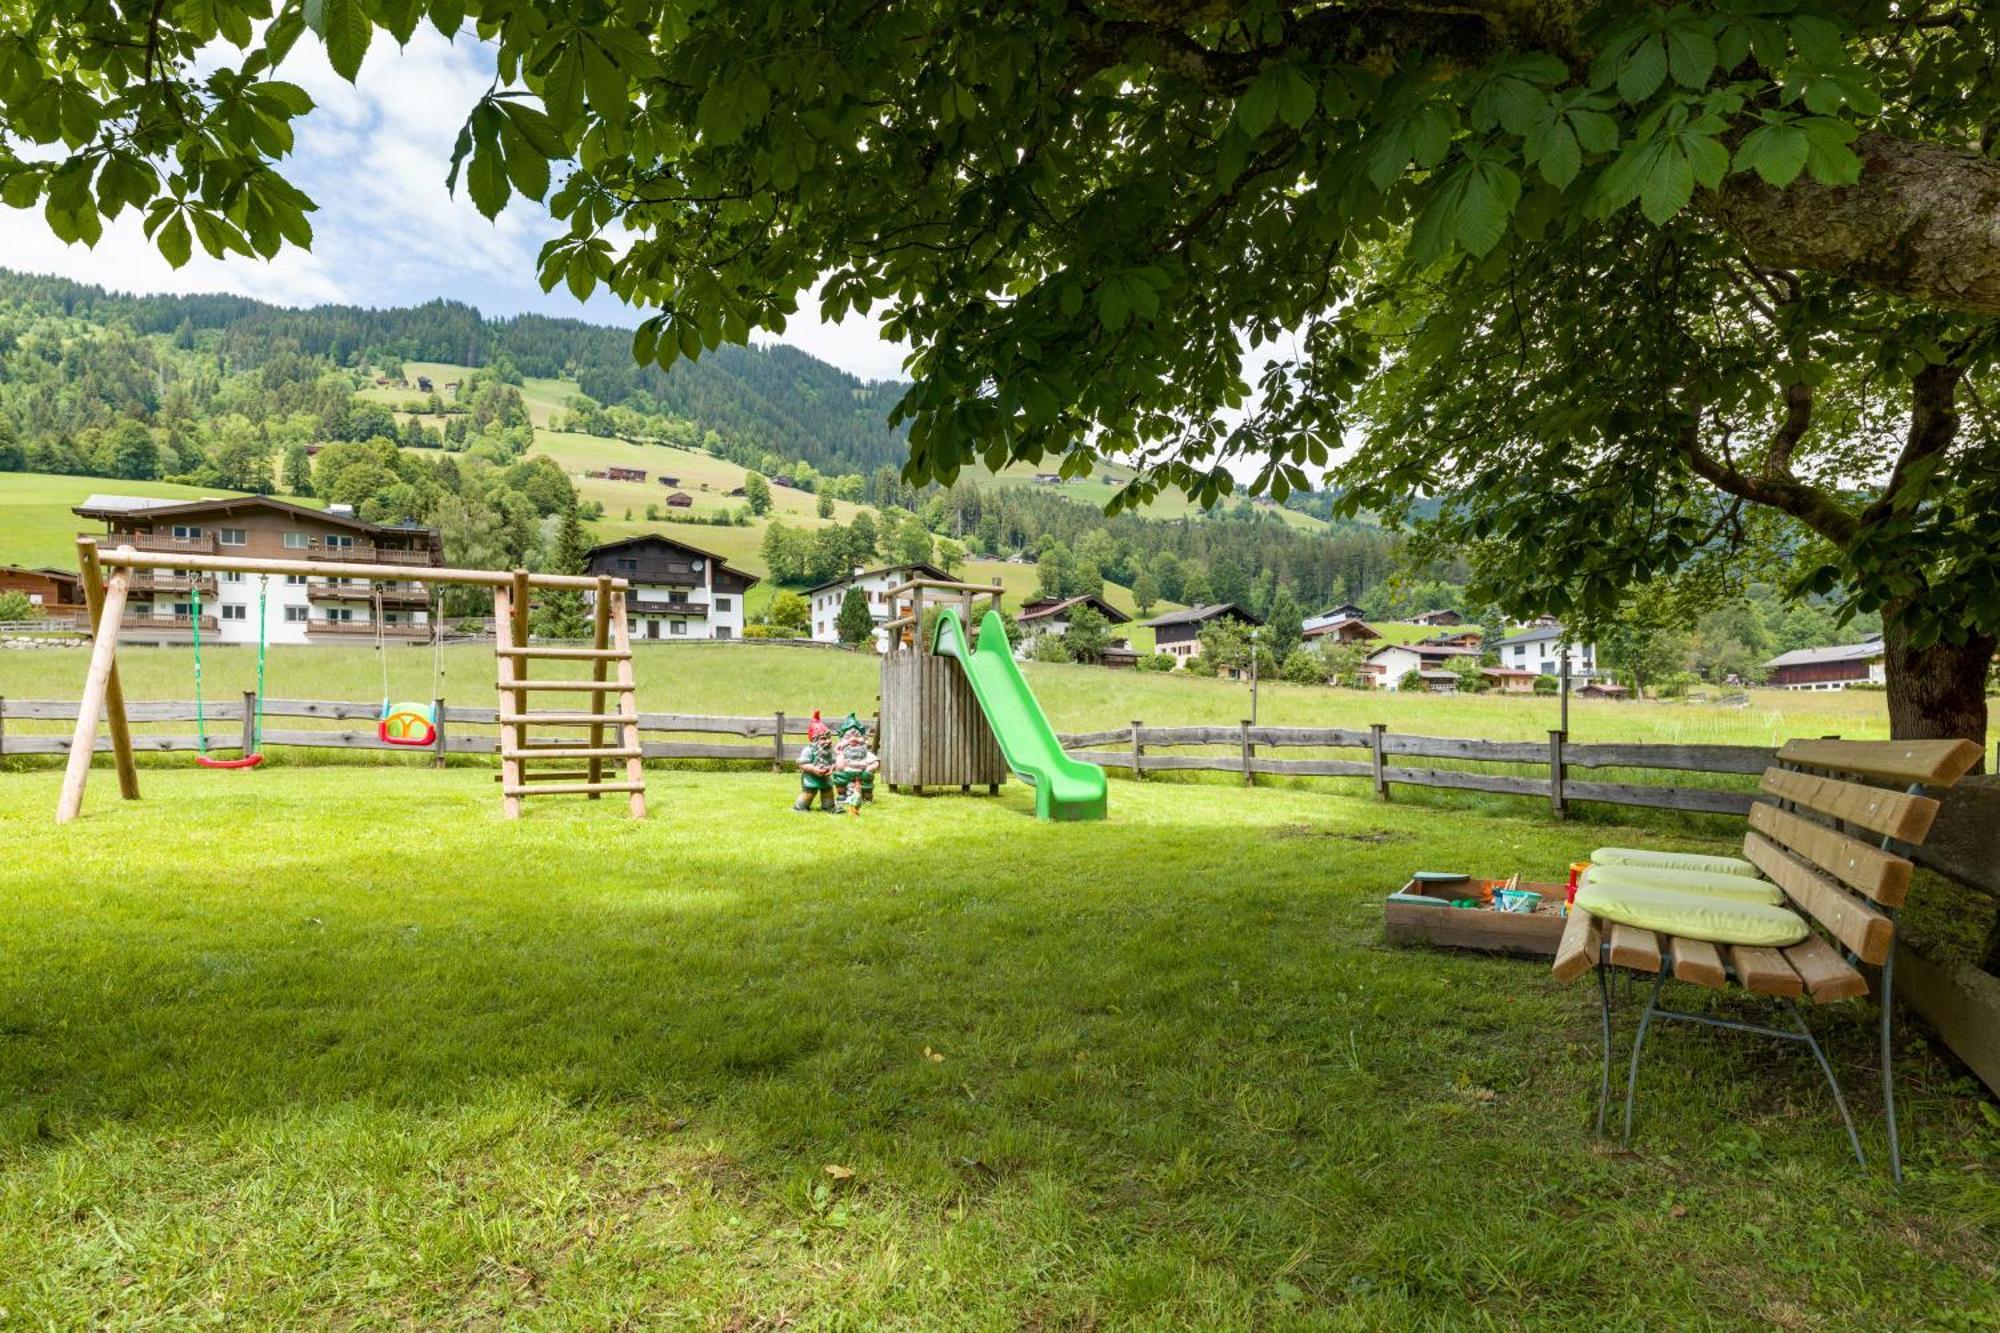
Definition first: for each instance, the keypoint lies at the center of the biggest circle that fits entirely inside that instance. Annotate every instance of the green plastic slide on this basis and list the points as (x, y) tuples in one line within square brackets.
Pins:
[(1064, 787)]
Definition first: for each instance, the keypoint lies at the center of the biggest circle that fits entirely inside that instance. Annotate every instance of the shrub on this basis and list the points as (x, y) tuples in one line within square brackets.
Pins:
[(1201, 664), (1303, 666), (1547, 685), (14, 605), (1049, 648), (1159, 662)]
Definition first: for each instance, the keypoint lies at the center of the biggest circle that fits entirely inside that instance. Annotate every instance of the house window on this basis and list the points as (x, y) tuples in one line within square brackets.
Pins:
[(235, 611), (232, 576), (340, 615), (627, 564), (296, 580), (235, 537), (295, 615), (722, 603), (679, 626), (186, 533), (722, 631), (182, 610), (295, 541), (339, 543)]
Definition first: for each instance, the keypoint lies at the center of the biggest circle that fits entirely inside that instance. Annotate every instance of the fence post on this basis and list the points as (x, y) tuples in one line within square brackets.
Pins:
[(778, 742), (3, 724), (249, 722), (1243, 734), (437, 718), (1375, 730), (1557, 807), (1138, 773)]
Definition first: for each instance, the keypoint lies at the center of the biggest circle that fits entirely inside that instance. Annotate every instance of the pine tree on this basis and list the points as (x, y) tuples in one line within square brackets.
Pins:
[(856, 623), (560, 613), (298, 478)]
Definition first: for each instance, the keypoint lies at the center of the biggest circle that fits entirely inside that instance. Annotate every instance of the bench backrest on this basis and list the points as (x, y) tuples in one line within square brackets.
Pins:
[(1841, 880)]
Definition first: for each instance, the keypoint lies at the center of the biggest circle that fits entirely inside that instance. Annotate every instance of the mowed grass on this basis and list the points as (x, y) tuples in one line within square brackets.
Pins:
[(37, 527), (342, 1047)]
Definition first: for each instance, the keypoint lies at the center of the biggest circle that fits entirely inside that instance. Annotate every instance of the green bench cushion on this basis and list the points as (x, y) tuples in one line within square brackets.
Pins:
[(1708, 865), (1687, 881), (1697, 916)]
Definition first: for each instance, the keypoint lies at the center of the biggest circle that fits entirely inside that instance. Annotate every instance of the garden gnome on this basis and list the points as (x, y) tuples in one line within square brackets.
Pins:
[(854, 764), (816, 766)]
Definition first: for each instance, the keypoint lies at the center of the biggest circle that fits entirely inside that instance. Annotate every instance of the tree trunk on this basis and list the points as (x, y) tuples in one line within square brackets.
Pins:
[(1937, 692)]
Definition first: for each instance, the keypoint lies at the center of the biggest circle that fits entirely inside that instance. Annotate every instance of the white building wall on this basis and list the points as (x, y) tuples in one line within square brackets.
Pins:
[(826, 604), (1544, 656), (1395, 664)]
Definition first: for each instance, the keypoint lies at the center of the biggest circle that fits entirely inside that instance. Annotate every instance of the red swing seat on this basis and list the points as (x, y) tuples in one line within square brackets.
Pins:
[(247, 761)]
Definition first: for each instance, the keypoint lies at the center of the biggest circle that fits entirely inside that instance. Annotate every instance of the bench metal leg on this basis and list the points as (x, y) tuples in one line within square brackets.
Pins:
[(1826, 1067), (1638, 1045), (1604, 1012), (1888, 1070)]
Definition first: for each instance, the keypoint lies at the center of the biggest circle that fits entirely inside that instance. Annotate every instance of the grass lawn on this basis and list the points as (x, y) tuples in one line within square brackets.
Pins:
[(37, 527), (342, 1047)]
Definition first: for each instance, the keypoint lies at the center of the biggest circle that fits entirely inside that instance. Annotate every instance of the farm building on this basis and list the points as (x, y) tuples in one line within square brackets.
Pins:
[(1345, 611), (1178, 633), (669, 481), (678, 591), (680, 500), (785, 479), (1464, 638), (1834, 667), (1346, 630), (825, 599), (51, 591), (1398, 662), (1507, 680), (1603, 689), (1051, 615), (625, 473), (1439, 617)]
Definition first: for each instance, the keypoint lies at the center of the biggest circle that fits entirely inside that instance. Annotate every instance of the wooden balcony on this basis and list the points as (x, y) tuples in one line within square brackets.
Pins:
[(132, 623), (361, 590), (164, 581), (360, 629), (206, 544), (365, 553), (666, 608)]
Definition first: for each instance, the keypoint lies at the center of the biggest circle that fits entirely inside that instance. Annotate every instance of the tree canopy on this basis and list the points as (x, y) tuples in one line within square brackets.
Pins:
[(1719, 265)]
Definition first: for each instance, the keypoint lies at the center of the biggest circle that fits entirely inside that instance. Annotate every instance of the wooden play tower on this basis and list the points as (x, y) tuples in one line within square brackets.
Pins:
[(933, 733), (609, 658)]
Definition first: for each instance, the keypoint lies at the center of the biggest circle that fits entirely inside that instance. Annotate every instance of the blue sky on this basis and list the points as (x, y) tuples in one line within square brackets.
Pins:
[(373, 155)]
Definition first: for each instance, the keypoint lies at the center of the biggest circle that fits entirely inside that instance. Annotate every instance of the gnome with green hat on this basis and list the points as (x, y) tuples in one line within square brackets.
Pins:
[(854, 764)]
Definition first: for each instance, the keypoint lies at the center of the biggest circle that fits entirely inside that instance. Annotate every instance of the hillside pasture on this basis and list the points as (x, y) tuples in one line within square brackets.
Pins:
[(37, 527)]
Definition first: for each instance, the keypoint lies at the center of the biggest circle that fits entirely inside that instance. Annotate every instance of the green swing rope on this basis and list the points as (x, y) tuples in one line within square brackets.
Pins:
[(200, 713)]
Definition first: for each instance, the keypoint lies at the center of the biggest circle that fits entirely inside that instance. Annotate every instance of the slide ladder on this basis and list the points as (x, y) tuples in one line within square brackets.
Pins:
[(1065, 788)]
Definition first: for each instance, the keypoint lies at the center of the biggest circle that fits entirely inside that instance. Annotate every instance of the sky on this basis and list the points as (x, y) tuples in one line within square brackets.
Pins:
[(373, 155)]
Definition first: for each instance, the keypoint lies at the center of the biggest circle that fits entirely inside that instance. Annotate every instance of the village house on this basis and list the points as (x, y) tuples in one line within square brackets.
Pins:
[(1440, 617), (301, 608), (51, 591), (825, 599), (669, 481), (1833, 667), (1398, 665), (1049, 478), (1464, 638), (680, 500), (1507, 680), (786, 480), (1345, 611), (1051, 615), (1346, 630), (1603, 689), (1178, 633), (678, 591), (1539, 648)]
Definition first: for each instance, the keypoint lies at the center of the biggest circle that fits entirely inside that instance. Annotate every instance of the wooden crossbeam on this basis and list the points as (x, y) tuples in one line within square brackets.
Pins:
[(570, 719), (563, 654), (570, 752), (514, 792)]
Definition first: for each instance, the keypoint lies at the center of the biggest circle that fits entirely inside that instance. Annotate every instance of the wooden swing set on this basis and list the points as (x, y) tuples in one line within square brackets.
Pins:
[(107, 577)]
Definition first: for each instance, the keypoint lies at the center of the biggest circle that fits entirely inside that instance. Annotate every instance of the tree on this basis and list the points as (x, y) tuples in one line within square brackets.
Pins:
[(297, 478), (856, 623), (15, 606), (1284, 625), (913, 544), (559, 613), (861, 536), (824, 505), (13, 458), (1645, 641), (1145, 592), (1788, 207), (757, 492), (791, 613), (950, 555), (1088, 635), (1343, 660), (136, 455)]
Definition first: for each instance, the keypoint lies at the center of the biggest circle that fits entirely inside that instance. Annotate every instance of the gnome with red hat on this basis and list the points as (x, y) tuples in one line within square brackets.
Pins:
[(816, 767)]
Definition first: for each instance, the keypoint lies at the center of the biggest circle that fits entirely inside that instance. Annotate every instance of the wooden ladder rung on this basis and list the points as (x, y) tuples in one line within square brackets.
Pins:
[(570, 719), (569, 788), (548, 775), (567, 654), (580, 686), (572, 752)]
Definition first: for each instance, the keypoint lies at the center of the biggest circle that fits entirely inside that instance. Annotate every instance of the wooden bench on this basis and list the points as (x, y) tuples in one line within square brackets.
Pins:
[(1824, 832)]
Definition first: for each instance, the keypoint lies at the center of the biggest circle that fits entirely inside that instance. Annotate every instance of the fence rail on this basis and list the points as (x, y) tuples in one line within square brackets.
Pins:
[(1961, 846)]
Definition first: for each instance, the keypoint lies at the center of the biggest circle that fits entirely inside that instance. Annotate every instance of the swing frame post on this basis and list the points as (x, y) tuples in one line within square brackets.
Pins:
[(106, 602)]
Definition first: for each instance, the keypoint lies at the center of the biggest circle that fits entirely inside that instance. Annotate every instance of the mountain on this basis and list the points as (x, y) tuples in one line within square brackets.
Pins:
[(784, 400)]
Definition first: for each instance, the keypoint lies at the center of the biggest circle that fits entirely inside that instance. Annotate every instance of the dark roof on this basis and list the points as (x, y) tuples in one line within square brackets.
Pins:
[(1866, 651), (927, 571), (1046, 607), (721, 562), (1423, 650), (1201, 615), (226, 503), (1335, 626), (1537, 634)]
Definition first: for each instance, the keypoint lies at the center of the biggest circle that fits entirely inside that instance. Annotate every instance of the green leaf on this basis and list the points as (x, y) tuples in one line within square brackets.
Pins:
[(1597, 132), (174, 241), (562, 86), (1777, 153), (1296, 97), (1828, 158), (345, 28), (1644, 70), (1690, 53), (1668, 185), (1559, 159), (1708, 158), (526, 168), (486, 179), (1258, 106)]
